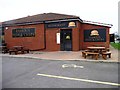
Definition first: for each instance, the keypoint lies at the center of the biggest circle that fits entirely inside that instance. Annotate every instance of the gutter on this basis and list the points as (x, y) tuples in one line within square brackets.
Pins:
[(24, 23)]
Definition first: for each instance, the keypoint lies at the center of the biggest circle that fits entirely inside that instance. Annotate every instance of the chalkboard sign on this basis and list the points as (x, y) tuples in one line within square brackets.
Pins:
[(95, 35), (23, 32)]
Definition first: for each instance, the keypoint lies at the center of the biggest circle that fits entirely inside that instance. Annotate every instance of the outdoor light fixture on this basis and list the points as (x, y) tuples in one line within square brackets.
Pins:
[(6, 28), (94, 33), (71, 24)]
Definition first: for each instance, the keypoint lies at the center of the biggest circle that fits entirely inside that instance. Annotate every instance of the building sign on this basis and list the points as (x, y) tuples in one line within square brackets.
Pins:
[(58, 38), (95, 35), (23, 32), (69, 24)]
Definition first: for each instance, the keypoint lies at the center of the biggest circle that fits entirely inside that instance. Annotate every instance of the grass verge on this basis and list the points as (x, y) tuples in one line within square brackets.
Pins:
[(116, 45)]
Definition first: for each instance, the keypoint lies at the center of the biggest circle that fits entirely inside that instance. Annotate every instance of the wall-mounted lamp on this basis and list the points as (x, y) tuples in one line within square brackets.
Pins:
[(6, 28), (71, 24), (94, 33)]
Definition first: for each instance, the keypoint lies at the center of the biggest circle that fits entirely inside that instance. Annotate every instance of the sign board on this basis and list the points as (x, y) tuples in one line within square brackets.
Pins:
[(23, 32), (63, 24), (95, 35), (58, 38)]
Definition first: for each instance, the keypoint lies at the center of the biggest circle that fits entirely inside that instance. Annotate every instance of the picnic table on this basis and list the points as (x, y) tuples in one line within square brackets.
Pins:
[(95, 52), (3, 49), (97, 49), (18, 49)]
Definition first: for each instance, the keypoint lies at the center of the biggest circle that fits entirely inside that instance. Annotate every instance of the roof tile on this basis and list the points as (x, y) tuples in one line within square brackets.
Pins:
[(40, 18)]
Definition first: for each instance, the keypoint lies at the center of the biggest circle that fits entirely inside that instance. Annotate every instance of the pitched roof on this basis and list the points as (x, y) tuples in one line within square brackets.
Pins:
[(40, 18), (49, 17)]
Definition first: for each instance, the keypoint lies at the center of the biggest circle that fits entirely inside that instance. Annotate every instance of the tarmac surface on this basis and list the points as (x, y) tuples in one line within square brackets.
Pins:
[(67, 55), (35, 73)]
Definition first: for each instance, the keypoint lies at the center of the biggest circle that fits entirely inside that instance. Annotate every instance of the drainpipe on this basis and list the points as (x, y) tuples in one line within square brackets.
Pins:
[(44, 35)]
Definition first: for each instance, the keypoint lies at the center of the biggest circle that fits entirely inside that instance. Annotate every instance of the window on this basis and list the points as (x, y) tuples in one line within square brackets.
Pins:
[(23, 32), (1, 35)]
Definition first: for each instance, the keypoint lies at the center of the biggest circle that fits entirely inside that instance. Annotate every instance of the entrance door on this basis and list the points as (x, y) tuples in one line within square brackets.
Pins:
[(66, 40)]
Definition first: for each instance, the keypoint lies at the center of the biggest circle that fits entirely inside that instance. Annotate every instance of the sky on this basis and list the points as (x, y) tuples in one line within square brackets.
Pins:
[(104, 11)]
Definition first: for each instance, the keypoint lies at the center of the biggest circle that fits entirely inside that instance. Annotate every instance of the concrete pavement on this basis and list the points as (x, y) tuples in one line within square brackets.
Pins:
[(67, 55)]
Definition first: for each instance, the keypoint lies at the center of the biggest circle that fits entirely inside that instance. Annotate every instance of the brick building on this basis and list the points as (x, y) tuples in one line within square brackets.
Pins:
[(55, 32)]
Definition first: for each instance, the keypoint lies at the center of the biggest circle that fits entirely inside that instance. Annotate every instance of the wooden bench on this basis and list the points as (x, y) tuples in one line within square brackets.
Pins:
[(107, 49), (13, 51), (105, 54), (5, 50), (26, 50), (16, 50), (83, 53), (93, 54)]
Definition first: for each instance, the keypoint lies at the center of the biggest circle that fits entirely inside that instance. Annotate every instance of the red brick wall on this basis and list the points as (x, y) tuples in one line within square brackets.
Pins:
[(51, 44), (38, 42), (83, 44), (33, 43), (76, 37)]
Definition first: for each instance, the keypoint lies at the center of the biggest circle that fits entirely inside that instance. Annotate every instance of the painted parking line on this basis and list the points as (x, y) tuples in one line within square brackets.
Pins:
[(78, 79), (71, 65)]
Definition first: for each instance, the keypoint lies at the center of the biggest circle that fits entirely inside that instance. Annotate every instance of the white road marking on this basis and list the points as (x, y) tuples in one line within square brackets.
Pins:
[(75, 66), (78, 79), (71, 65)]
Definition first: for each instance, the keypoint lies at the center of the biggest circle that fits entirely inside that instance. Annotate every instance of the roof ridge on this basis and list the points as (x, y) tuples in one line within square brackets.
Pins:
[(62, 14)]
